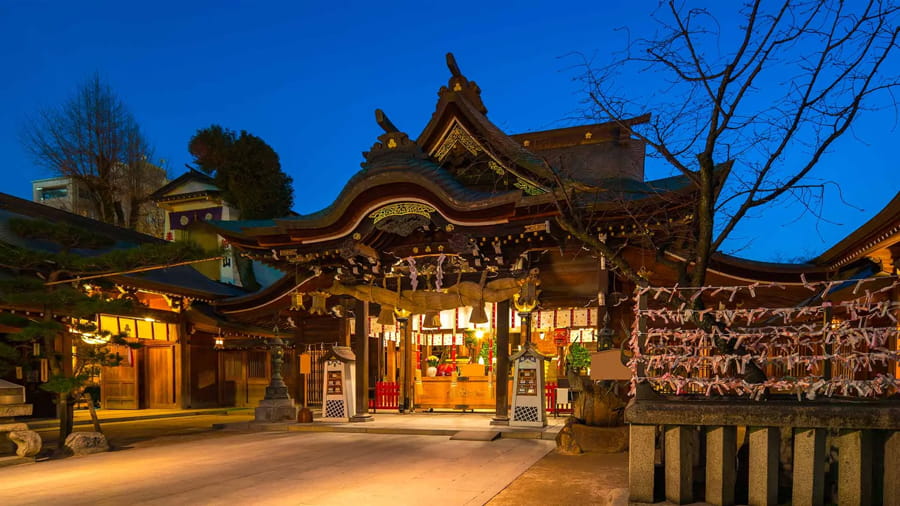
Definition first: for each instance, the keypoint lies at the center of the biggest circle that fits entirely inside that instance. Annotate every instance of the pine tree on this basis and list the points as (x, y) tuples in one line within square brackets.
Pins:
[(41, 295)]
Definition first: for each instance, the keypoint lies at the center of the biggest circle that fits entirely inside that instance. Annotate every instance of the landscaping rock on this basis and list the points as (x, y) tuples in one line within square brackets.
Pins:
[(566, 442), (28, 441), (7, 447), (601, 439), (86, 443)]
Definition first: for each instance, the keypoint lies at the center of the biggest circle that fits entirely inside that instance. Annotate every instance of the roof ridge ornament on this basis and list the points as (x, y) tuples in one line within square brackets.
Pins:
[(393, 146), (460, 85)]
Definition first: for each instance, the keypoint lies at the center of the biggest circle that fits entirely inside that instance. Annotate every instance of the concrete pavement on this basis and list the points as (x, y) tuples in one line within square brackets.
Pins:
[(282, 468)]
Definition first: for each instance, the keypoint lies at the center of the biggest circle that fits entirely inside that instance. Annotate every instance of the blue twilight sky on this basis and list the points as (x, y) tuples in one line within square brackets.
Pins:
[(306, 77)]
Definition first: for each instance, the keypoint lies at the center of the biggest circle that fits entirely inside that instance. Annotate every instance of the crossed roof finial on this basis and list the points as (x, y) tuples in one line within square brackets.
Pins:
[(383, 121), (451, 64)]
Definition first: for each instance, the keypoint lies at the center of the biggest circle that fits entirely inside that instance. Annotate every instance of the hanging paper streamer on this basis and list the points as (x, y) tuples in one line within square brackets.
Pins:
[(843, 348)]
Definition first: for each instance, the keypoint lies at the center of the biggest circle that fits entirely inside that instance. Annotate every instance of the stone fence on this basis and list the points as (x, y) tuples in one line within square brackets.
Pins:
[(770, 452)]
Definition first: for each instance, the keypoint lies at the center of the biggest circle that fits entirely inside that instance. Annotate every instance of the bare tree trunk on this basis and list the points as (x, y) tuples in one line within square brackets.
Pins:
[(94, 420), (65, 410)]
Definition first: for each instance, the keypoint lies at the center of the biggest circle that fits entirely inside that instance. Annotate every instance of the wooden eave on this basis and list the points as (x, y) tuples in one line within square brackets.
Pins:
[(165, 288), (368, 194), (880, 232), (576, 135)]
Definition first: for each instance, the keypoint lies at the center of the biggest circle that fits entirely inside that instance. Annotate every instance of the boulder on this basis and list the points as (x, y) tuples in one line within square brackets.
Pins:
[(86, 443), (28, 441), (7, 446), (566, 443), (601, 439)]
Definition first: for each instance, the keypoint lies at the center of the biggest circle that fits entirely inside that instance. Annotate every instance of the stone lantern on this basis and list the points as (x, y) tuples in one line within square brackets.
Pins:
[(15, 437)]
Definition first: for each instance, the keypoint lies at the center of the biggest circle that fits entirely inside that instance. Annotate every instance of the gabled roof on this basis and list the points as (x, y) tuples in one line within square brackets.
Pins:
[(11, 207), (181, 280), (460, 107), (204, 185)]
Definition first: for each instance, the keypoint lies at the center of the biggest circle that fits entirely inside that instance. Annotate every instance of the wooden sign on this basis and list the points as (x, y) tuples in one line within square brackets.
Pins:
[(561, 336), (527, 382)]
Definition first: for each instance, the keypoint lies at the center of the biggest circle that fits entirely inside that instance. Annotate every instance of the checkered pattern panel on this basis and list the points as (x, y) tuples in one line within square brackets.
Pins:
[(334, 409), (525, 414)]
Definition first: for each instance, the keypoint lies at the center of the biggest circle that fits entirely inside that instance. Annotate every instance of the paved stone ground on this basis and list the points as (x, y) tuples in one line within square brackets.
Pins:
[(281, 468), (155, 431), (597, 479)]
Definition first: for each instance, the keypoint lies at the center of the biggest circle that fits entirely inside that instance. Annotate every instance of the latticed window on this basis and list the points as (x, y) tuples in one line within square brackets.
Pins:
[(256, 364)]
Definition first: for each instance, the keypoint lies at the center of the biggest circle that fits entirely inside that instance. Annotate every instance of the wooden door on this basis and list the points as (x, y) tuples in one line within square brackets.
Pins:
[(234, 379), (119, 384), (160, 377)]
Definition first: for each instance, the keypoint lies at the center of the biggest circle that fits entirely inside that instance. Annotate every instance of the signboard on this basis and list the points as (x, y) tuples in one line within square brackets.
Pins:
[(527, 382), (334, 383), (561, 336)]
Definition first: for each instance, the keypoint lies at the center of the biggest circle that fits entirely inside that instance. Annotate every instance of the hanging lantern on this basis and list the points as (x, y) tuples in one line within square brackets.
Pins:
[(386, 316), (297, 301), (478, 314), (432, 320), (36, 349), (318, 303), (220, 342)]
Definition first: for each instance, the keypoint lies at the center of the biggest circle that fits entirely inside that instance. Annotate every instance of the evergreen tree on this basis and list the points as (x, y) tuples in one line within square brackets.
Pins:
[(52, 316), (247, 169)]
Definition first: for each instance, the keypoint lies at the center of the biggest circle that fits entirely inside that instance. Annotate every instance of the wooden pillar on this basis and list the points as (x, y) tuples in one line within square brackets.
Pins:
[(641, 463), (391, 356), (721, 472), (501, 416), (184, 341), (679, 464), (407, 367), (809, 467), (361, 350), (763, 481)]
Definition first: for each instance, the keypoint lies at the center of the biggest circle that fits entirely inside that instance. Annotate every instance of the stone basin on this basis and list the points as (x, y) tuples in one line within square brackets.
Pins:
[(11, 410)]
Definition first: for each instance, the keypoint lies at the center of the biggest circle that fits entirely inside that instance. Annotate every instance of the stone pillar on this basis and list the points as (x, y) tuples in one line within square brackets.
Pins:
[(892, 468), (679, 464), (721, 447), (809, 467), (855, 468), (361, 350), (763, 481), (502, 387), (641, 463)]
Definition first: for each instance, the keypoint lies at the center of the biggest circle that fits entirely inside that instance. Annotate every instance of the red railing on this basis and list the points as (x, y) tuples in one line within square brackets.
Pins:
[(552, 407), (387, 395)]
